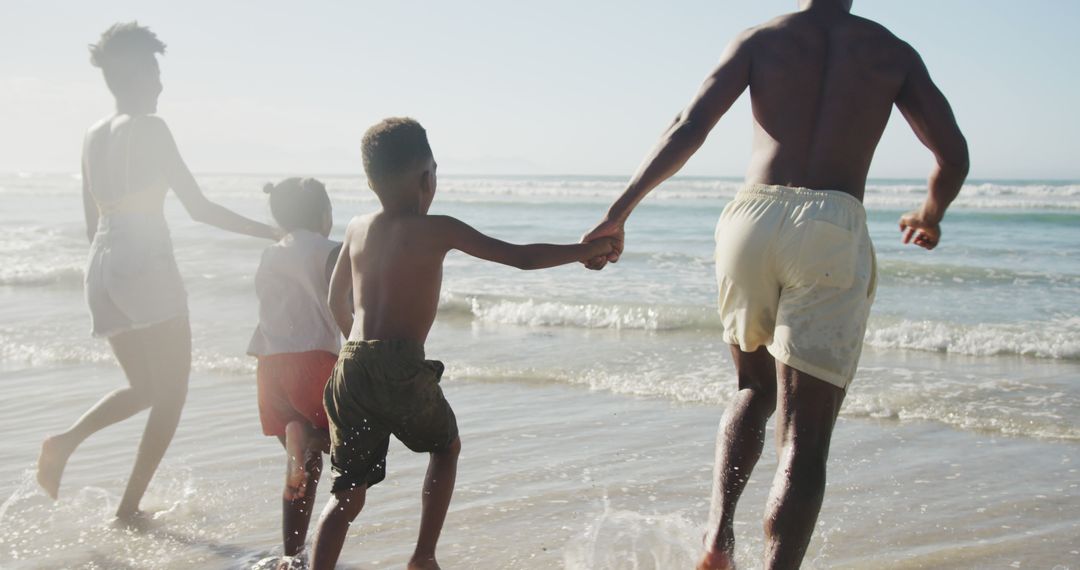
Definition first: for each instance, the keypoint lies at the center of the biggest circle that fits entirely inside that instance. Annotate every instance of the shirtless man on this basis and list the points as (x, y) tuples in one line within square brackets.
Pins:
[(795, 265), (384, 294)]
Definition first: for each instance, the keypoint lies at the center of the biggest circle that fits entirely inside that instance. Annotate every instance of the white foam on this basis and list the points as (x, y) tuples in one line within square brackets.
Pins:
[(1057, 338), (618, 539)]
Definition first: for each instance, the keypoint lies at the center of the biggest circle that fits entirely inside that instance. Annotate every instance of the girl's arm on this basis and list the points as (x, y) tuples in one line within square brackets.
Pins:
[(340, 297)]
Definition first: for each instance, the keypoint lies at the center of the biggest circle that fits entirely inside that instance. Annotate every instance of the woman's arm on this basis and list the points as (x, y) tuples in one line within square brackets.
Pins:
[(90, 209), (180, 179)]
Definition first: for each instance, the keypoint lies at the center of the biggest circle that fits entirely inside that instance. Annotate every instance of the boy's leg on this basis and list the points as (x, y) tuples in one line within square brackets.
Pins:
[(296, 511), (438, 490), (739, 442), (808, 410), (334, 525)]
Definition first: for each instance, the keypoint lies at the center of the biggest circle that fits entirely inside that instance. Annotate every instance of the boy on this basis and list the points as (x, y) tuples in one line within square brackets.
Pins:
[(391, 266)]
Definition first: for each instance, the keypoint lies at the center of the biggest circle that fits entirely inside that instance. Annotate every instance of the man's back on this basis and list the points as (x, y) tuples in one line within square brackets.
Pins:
[(822, 88)]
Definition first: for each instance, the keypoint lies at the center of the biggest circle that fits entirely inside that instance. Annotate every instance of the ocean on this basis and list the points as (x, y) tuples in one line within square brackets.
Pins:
[(588, 401)]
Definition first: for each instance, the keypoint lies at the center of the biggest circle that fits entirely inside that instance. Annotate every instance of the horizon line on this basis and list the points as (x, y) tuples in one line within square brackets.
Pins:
[(534, 175)]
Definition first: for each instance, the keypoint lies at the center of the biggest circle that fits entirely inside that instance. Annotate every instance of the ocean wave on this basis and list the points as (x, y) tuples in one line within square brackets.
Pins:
[(14, 349), (27, 275), (1057, 339), (993, 405), (991, 400), (530, 312)]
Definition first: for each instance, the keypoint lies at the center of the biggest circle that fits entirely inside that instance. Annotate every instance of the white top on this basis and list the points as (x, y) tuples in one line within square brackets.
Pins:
[(292, 284)]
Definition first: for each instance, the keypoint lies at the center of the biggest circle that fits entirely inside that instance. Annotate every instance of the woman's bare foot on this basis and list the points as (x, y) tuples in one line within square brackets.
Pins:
[(296, 475), (51, 463), (137, 520), (423, 563)]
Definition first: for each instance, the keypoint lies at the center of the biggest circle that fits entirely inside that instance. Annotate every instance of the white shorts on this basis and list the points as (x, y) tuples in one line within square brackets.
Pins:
[(797, 274)]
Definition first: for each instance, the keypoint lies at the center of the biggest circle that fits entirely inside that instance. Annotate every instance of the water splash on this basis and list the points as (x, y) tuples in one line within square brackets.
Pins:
[(619, 540)]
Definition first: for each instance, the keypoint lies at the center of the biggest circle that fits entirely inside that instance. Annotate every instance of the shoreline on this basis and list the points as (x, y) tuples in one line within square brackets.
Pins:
[(610, 479)]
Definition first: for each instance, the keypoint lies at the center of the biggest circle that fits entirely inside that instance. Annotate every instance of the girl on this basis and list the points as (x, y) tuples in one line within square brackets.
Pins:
[(296, 342)]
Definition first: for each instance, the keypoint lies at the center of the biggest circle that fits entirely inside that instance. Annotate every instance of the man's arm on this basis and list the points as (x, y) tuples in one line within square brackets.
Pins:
[(455, 234), (199, 207), (340, 296), (682, 138), (929, 114)]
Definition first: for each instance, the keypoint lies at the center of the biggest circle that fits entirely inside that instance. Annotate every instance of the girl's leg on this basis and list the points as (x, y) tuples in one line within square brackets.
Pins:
[(303, 446)]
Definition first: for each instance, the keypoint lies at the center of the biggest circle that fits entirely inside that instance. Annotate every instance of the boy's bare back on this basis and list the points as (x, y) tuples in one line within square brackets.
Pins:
[(396, 273)]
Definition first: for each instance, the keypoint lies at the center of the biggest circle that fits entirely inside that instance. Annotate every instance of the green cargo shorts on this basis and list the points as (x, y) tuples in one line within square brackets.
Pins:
[(379, 388)]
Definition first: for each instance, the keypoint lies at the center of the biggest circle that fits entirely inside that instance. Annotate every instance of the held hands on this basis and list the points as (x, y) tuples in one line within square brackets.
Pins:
[(613, 231), (598, 248), (919, 228)]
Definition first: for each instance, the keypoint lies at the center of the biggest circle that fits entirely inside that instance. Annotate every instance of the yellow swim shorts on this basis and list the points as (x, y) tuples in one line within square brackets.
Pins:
[(797, 273)]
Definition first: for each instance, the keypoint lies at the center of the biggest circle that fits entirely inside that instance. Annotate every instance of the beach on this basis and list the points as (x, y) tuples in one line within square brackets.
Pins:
[(588, 402)]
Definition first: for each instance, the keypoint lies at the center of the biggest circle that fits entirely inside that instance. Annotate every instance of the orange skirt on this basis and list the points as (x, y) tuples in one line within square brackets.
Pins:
[(291, 389)]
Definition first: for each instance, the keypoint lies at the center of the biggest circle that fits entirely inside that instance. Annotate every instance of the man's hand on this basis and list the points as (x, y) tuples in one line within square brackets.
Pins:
[(920, 229), (609, 229)]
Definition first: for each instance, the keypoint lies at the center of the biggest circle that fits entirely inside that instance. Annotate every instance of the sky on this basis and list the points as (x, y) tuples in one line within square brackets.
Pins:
[(556, 87)]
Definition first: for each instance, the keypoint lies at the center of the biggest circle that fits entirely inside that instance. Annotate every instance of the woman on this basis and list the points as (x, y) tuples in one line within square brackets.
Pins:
[(133, 286)]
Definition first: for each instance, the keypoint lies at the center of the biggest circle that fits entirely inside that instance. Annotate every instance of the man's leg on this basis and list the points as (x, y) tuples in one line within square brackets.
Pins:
[(739, 442), (438, 489), (808, 408), (339, 513)]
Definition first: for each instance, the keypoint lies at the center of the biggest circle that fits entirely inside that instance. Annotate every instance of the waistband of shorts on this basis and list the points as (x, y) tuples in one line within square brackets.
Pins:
[(378, 348), (799, 194)]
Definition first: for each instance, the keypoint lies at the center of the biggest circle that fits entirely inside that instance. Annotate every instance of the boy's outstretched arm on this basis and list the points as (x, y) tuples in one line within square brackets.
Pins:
[(458, 235), (340, 296)]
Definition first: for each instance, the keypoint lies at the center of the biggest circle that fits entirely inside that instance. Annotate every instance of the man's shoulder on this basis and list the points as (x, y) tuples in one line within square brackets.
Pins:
[(879, 33)]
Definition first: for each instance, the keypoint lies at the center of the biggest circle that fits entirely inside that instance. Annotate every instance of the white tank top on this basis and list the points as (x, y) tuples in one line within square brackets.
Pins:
[(292, 286)]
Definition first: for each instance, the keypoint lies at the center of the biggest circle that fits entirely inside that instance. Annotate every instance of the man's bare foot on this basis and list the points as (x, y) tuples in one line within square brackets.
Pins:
[(50, 465), (296, 475), (716, 561), (720, 552), (423, 563), (291, 563)]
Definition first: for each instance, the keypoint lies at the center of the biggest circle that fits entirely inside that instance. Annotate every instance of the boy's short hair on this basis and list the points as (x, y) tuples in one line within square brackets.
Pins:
[(121, 51), (298, 203), (392, 146)]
